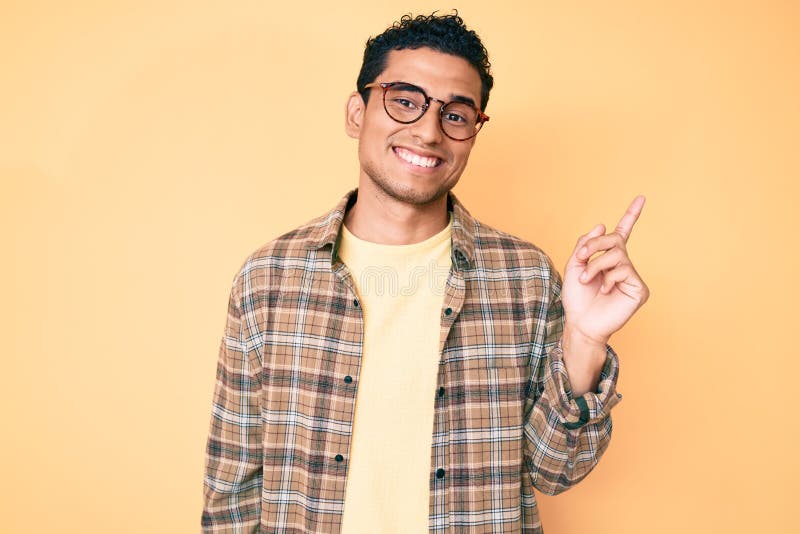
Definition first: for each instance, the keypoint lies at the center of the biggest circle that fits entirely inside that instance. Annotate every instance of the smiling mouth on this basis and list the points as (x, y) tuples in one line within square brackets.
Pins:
[(417, 160)]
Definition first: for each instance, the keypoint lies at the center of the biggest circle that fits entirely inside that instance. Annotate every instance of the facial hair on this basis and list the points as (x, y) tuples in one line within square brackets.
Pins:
[(403, 193)]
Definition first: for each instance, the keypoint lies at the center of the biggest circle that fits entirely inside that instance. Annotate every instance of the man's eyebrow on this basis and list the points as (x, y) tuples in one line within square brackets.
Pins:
[(453, 97), (463, 99), (409, 87)]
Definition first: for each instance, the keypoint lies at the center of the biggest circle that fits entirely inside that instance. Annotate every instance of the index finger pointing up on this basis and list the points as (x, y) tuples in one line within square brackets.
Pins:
[(625, 225)]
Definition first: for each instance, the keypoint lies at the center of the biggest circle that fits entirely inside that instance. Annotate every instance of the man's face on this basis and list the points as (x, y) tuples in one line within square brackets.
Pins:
[(413, 163)]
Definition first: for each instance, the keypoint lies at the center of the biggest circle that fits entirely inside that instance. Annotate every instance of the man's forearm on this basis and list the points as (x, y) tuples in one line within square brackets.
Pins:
[(584, 359)]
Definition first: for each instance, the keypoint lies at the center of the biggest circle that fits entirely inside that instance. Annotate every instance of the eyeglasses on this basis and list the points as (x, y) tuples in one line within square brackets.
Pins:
[(407, 103)]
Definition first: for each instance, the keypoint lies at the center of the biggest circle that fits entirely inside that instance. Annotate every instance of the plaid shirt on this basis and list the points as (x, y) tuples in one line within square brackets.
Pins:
[(505, 421)]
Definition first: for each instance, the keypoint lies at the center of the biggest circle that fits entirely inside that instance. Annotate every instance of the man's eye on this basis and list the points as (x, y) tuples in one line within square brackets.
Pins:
[(405, 103), (454, 118)]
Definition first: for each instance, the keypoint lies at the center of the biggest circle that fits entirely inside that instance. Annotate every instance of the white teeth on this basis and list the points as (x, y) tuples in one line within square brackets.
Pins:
[(416, 159)]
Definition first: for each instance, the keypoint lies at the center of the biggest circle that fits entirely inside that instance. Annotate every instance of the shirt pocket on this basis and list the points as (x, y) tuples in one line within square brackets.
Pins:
[(494, 339), (496, 356)]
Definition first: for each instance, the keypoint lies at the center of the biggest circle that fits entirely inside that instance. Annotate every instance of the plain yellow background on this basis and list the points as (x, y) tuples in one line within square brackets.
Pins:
[(146, 148)]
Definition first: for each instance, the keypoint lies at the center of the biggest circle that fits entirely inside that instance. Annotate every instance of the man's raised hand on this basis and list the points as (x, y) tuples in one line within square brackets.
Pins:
[(602, 289)]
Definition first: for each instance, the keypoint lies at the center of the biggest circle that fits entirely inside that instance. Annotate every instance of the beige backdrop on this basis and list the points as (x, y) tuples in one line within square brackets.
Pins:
[(146, 148)]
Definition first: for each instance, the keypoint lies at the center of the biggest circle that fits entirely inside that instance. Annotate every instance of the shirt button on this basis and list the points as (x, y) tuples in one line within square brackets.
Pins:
[(348, 379), (448, 311), (339, 458), (355, 303), (440, 473), (441, 391)]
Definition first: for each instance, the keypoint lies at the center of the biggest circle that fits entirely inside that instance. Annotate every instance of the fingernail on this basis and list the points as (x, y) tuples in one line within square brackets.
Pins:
[(584, 276)]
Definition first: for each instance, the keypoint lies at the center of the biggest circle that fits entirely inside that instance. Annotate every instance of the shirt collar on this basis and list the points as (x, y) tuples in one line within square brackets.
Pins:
[(327, 228)]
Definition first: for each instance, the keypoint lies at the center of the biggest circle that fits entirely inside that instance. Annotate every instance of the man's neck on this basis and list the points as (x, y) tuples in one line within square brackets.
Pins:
[(379, 218)]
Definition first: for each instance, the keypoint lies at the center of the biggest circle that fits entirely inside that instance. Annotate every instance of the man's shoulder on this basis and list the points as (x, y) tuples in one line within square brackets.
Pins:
[(296, 242), (293, 249), (498, 249)]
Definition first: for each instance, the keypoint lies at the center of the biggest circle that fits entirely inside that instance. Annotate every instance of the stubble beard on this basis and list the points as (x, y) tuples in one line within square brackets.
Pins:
[(403, 193)]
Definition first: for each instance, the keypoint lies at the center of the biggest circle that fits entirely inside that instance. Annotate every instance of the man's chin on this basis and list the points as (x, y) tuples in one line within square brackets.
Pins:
[(411, 195)]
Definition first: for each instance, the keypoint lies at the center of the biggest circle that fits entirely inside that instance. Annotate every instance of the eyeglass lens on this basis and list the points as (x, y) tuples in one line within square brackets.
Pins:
[(406, 103)]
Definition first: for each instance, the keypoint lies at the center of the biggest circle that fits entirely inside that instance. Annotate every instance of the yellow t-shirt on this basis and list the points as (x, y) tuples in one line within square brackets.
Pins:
[(401, 289)]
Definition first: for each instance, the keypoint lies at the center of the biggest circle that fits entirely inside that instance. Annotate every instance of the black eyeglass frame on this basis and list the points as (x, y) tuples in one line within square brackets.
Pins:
[(482, 117)]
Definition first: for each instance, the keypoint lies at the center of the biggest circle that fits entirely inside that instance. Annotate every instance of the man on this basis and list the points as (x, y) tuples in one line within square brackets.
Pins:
[(439, 402)]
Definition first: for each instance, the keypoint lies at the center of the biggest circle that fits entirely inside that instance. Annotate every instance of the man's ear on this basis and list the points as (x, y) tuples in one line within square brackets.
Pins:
[(354, 115)]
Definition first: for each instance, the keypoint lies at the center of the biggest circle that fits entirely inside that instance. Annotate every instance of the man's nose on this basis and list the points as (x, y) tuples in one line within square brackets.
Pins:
[(428, 129)]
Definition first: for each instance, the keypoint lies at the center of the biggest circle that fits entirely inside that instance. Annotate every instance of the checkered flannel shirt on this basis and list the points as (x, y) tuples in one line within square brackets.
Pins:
[(505, 421)]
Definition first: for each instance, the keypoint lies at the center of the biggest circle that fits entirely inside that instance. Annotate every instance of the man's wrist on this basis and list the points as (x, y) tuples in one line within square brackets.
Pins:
[(584, 359)]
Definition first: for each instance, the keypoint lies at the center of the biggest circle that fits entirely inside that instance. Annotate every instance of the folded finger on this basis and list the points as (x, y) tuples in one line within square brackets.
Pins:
[(622, 276), (600, 243), (604, 262), (598, 230)]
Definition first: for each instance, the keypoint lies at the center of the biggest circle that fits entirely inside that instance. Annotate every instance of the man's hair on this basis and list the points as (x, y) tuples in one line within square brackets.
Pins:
[(443, 33)]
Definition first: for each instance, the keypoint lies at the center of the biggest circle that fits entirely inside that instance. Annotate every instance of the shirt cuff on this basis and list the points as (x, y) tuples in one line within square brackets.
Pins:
[(590, 407)]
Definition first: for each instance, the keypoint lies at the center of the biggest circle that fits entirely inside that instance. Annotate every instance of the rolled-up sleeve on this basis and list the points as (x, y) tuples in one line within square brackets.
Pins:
[(588, 408), (566, 436)]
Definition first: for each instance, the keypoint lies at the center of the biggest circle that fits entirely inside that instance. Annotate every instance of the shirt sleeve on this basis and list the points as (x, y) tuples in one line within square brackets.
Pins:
[(566, 436), (233, 475)]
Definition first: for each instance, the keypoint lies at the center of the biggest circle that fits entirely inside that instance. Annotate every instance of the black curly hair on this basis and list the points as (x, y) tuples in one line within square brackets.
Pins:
[(443, 33)]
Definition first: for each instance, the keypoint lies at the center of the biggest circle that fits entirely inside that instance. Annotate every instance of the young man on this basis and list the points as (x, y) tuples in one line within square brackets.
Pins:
[(439, 402)]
